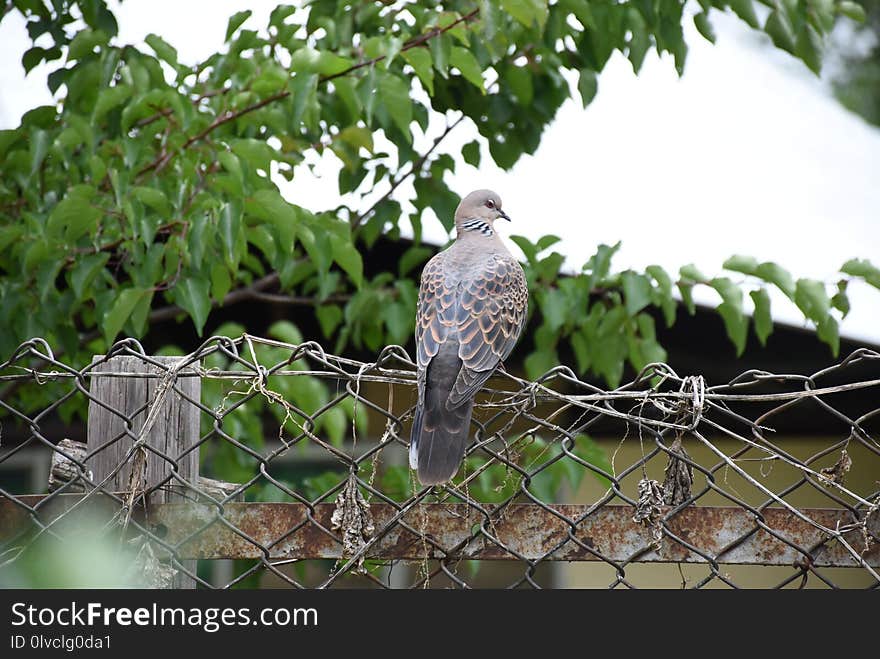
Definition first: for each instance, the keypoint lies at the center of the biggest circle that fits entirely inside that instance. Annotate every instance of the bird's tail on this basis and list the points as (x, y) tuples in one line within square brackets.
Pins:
[(439, 437)]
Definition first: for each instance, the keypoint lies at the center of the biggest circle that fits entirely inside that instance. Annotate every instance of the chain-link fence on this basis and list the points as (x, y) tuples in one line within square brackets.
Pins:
[(256, 463)]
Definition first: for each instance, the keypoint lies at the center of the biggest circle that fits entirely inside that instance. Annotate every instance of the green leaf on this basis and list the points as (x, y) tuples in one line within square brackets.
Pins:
[(736, 324), (687, 296), (527, 12), (420, 60), (731, 310), (74, 216), (315, 247), (399, 320), (357, 137), (235, 22), (599, 265), (271, 207), (852, 10), (580, 344), (840, 300), (154, 198), (589, 451), (7, 139), (43, 116), (739, 263), (729, 291), (394, 97), (221, 281), (609, 354), (779, 28), (329, 317), (348, 258), (272, 79), (527, 246), (809, 48), (84, 271), (636, 292), (231, 234), (303, 92), (763, 321), (110, 98), (746, 11), (261, 237), (193, 296), (777, 275), (829, 333), (704, 27), (256, 153), (519, 78), (286, 331), (539, 362), (467, 64), (692, 273), (162, 48), (334, 424), (588, 86), (554, 307), (85, 42), (471, 153), (548, 267), (121, 310), (545, 242), (664, 283), (812, 299), (345, 89), (10, 234), (640, 41), (141, 312), (32, 57), (279, 13), (862, 268), (38, 149), (322, 62)]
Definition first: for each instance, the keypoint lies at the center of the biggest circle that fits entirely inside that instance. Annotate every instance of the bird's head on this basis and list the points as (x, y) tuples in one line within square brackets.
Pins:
[(477, 213)]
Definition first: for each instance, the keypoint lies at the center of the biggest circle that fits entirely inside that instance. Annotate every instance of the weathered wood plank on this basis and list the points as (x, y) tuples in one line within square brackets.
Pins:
[(123, 410)]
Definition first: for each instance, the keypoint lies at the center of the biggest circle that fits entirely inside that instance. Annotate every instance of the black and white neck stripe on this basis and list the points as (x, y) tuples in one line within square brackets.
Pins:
[(477, 224)]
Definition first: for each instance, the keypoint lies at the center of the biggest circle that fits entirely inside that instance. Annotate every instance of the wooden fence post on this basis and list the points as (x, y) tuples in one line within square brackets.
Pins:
[(174, 429)]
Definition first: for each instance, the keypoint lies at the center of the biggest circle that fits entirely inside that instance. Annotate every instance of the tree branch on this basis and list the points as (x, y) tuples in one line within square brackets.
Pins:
[(412, 43), (238, 295), (416, 166)]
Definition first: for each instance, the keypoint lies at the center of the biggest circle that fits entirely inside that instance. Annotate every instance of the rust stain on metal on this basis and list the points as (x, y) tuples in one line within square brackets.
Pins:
[(292, 530), (455, 530)]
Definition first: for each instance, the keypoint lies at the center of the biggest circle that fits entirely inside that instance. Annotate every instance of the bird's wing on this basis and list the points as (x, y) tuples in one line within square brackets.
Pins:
[(489, 314), (434, 317)]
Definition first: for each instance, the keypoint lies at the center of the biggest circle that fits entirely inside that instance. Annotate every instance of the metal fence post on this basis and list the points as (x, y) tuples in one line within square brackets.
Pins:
[(118, 401)]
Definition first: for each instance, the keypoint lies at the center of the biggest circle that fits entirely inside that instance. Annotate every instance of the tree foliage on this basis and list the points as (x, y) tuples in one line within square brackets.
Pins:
[(856, 79), (148, 192)]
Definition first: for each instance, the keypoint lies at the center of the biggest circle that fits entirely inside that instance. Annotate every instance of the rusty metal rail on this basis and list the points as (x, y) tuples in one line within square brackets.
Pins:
[(302, 465), (559, 532)]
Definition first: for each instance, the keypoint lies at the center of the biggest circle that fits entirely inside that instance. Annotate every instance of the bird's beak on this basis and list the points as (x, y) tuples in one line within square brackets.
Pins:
[(504, 215)]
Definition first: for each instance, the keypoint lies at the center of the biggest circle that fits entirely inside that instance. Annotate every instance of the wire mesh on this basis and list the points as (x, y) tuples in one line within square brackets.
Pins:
[(293, 473)]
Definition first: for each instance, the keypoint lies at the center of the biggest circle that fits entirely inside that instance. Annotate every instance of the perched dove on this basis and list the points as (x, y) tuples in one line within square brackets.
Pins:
[(472, 307)]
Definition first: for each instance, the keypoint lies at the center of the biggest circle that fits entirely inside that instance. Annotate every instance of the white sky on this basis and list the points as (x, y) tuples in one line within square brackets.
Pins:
[(746, 153)]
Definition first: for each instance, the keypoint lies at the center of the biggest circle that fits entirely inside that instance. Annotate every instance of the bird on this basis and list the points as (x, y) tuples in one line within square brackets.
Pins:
[(472, 305)]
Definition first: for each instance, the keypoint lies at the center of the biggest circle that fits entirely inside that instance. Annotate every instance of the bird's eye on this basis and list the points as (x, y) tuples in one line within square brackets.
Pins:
[(490, 204)]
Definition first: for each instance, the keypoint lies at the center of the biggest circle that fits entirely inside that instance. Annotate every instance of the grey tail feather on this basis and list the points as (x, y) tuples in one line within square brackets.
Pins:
[(440, 434), (438, 445)]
